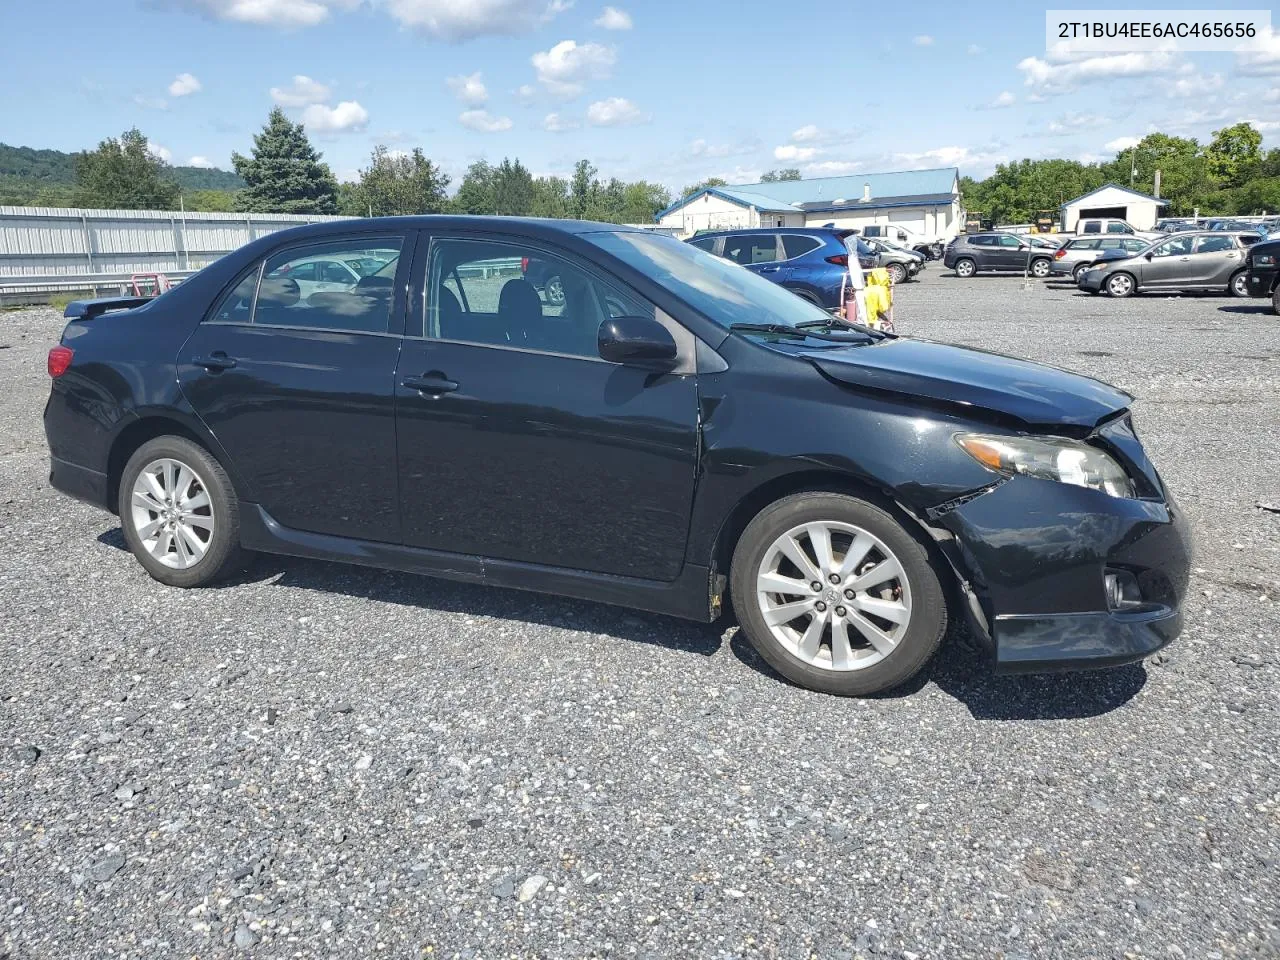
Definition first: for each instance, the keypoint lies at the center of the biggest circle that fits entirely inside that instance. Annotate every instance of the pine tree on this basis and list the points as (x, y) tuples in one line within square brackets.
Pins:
[(285, 173), (124, 175)]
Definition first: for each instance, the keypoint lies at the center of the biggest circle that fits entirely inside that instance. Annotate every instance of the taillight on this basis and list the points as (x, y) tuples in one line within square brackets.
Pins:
[(840, 259), (524, 264), (59, 360), (1061, 252)]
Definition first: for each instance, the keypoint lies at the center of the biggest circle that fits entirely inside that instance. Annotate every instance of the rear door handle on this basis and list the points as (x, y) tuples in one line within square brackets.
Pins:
[(768, 269), (433, 384), (215, 363)]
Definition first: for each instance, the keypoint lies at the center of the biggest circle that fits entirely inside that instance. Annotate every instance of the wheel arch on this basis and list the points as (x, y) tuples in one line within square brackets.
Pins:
[(148, 426)]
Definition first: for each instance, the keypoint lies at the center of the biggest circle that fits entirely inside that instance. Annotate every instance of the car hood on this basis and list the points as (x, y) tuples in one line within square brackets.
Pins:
[(1032, 393)]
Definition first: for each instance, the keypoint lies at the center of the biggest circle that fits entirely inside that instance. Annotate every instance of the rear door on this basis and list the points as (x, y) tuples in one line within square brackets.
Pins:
[(1215, 258), (759, 252), (298, 386)]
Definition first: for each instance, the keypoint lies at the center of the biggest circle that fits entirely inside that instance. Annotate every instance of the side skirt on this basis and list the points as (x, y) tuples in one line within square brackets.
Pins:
[(688, 596)]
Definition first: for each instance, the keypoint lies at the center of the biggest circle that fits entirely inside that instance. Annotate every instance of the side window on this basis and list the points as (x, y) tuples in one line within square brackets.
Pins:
[(1133, 246), (510, 295), (797, 245), (1177, 247), (1084, 244), (1118, 228), (983, 241), (1008, 241), (1092, 226), (1248, 239), (706, 243), (237, 305), (296, 291), (752, 248), (1214, 244), (1110, 243)]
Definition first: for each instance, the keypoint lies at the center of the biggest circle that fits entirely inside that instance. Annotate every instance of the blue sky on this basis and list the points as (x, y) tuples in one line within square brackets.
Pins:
[(661, 90)]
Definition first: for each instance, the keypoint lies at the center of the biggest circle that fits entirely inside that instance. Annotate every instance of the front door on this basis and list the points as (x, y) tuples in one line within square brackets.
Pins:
[(517, 441), (299, 388), (1169, 264), (1011, 254)]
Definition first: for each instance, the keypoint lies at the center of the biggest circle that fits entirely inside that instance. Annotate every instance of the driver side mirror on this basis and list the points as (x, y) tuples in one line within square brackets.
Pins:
[(1149, 256), (637, 342)]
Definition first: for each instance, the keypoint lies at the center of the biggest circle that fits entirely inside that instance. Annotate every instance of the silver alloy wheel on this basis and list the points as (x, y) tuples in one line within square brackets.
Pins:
[(965, 268), (172, 513), (1040, 268), (897, 273), (1240, 284), (1120, 285), (555, 291), (834, 595)]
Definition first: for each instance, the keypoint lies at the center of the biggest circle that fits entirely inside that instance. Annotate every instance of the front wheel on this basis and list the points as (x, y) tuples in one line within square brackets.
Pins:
[(1275, 301), (1120, 285), (179, 513), (1040, 268), (835, 594), (965, 268), (555, 291), (1239, 285), (1078, 270), (897, 273)]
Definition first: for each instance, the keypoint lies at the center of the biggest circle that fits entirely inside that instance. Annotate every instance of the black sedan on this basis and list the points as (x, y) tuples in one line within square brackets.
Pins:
[(676, 431), (1263, 264)]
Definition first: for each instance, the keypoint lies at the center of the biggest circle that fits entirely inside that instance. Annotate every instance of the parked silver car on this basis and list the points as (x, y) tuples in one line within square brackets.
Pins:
[(1075, 255), (1185, 261)]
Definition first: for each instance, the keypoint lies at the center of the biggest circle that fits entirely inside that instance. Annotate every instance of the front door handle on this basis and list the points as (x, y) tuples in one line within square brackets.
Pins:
[(768, 269), (433, 384), (215, 362)]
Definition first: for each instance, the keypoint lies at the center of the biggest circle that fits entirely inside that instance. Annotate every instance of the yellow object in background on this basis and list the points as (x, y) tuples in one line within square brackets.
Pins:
[(879, 295)]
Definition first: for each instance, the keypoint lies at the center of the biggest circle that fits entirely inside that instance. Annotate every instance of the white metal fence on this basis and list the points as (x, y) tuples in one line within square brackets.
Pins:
[(59, 247)]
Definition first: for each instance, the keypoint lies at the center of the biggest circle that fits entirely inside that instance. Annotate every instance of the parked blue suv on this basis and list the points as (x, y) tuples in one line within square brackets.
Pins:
[(811, 262)]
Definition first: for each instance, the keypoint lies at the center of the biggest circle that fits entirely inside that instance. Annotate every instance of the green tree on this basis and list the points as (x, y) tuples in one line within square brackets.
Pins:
[(512, 189), (285, 173), (124, 174), (643, 201), (1234, 155), (1184, 174), (221, 201), (776, 176), (550, 197), (709, 182), (475, 193), (583, 186), (396, 185)]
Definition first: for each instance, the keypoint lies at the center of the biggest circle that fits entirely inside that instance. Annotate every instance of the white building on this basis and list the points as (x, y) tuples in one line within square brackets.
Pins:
[(1112, 200), (925, 202)]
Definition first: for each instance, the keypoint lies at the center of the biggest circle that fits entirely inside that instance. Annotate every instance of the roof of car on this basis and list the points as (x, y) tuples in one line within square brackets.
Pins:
[(530, 225), (816, 231)]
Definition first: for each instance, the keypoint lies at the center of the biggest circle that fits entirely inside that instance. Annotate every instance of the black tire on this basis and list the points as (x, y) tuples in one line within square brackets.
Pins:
[(554, 290), (1275, 301), (1238, 285), (808, 296), (222, 554), (1040, 267), (1078, 269), (1117, 289), (966, 267), (923, 632), (897, 273)]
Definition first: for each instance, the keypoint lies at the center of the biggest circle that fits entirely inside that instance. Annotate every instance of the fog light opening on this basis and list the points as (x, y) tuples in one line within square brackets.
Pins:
[(1121, 588)]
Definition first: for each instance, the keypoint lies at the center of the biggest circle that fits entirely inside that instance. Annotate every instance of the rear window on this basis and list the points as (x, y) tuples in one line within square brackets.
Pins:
[(706, 243), (797, 245), (752, 248), (1084, 244)]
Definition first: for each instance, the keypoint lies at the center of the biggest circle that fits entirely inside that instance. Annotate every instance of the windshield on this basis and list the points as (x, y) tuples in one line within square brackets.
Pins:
[(720, 290)]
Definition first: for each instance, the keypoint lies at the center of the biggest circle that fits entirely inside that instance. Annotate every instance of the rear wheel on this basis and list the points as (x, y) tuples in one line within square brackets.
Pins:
[(836, 595), (1120, 285), (965, 268), (1040, 268), (1079, 269), (1239, 285), (179, 513), (1275, 301), (554, 290)]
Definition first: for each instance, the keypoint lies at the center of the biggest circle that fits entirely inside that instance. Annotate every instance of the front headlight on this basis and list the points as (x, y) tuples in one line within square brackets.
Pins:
[(1049, 458)]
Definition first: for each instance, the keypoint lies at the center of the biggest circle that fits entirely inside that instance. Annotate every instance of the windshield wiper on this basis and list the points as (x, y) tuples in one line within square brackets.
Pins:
[(847, 335)]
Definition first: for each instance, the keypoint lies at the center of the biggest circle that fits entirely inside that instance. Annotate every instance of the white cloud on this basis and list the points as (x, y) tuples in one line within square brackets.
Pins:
[(162, 153), (922, 40), (484, 121), (151, 103), (1071, 122), (615, 112), (469, 89), (1121, 143), (809, 133), (344, 118), (789, 151), (1261, 57), (554, 123), (1063, 72), (973, 50), (1004, 99), (459, 20), (614, 19), (199, 161), (1262, 126), (974, 161), (702, 148), (301, 93), (566, 67), (184, 84), (1196, 84), (275, 13)]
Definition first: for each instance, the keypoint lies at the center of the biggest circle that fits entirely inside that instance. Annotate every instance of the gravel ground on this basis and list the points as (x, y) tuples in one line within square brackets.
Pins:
[(320, 760)]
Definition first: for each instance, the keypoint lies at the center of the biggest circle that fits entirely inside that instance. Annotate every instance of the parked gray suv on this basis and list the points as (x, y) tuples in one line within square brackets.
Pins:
[(970, 254)]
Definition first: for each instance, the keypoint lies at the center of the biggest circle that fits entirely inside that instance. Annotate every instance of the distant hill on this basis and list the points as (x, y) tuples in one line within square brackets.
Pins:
[(49, 176)]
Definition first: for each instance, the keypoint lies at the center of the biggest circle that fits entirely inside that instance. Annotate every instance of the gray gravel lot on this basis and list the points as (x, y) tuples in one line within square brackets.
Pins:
[(319, 760)]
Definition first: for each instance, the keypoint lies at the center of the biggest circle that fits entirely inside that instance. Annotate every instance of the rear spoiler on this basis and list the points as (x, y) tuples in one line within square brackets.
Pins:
[(88, 309)]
